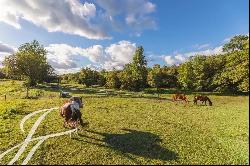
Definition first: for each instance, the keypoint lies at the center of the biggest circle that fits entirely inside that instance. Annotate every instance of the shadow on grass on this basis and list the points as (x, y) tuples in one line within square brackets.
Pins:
[(139, 143)]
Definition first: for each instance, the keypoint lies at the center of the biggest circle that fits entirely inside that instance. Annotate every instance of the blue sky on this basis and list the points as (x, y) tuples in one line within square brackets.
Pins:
[(105, 33)]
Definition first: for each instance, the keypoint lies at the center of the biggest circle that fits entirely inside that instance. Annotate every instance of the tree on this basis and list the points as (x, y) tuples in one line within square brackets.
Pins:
[(235, 74), (156, 78), (170, 75), (135, 74), (88, 77), (240, 42), (29, 63), (198, 73), (186, 75), (102, 78), (2, 75), (113, 80)]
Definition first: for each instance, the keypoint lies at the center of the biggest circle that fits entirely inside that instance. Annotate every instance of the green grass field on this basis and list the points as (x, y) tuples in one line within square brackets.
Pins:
[(128, 128)]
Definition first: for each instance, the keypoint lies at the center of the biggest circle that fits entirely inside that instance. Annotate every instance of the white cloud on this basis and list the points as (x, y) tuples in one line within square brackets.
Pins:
[(226, 40), (180, 58), (216, 50), (134, 17), (65, 71), (177, 59), (65, 57), (61, 56), (5, 50), (68, 16), (95, 53), (121, 52), (80, 18), (202, 46)]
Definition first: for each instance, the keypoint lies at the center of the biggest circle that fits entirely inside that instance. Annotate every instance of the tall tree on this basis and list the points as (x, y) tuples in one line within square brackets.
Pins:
[(235, 74), (186, 75), (135, 73), (156, 78), (29, 63)]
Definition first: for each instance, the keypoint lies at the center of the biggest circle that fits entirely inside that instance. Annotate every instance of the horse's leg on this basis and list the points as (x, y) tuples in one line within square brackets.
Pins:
[(81, 122), (76, 131), (65, 123), (186, 102)]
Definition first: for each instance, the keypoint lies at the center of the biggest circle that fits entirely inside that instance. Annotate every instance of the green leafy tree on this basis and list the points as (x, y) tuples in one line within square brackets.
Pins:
[(2, 75), (235, 74), (134, 75), (239, 42), (156, 78), (186, 75), (29, 63), (102, 78), (170, 79), (88, 77), (112, 80)]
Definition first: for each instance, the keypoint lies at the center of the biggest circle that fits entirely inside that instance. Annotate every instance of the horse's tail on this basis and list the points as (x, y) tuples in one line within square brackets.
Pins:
[(210, 102)]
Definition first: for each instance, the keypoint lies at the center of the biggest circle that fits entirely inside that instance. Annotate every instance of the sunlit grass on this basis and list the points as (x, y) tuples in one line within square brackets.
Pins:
[(129, 129)]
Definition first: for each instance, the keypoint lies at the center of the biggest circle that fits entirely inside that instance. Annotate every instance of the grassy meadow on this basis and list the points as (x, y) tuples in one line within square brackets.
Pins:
[(127, 128)]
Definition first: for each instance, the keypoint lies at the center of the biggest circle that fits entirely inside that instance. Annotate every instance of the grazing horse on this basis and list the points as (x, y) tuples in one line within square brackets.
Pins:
[(180, 97), (203, 99), (66, 112)]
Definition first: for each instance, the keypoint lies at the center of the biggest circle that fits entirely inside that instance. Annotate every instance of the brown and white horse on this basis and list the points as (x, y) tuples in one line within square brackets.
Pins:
[(179, 96), (66, 113)]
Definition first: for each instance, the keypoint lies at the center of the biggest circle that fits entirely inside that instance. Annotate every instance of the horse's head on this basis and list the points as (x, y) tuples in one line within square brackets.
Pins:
[(78, 100), (210, 102)]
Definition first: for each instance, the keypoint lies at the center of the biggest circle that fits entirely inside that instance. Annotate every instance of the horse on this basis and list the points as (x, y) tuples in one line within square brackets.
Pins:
[(182, 97), (203, 99), (66, 113)]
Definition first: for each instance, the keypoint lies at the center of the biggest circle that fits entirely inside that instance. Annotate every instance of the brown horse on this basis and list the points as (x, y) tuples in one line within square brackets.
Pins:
[(203, 99), (179, 96), (66, 112)]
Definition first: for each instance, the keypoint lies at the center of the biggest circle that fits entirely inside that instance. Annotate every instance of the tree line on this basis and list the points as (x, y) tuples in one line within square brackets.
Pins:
[(228, 72)]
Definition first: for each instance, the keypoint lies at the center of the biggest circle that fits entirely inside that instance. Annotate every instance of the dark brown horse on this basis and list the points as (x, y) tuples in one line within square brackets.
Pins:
[(66, 112), (179, 96), (203, 99)]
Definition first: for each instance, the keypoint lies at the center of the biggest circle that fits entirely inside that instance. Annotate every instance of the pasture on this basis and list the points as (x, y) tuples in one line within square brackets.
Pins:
[(127, 128)]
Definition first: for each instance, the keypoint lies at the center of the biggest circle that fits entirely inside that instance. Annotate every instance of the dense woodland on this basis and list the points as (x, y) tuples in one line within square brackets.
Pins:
[(228, 72)]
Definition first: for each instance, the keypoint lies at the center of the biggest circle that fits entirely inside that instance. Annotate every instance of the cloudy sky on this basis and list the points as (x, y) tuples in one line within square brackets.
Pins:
[(103, 34)]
